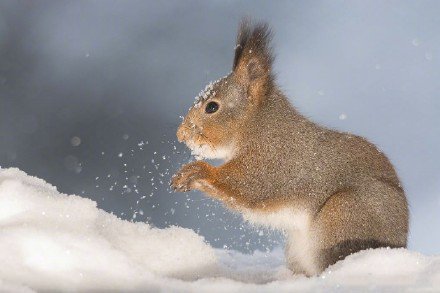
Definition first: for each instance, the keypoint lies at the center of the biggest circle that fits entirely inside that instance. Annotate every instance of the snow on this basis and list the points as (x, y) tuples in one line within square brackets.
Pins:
[(208, 92), (55, 242)]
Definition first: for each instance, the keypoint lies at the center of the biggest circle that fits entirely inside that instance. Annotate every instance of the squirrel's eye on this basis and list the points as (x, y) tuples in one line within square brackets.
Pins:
[(211, 107)]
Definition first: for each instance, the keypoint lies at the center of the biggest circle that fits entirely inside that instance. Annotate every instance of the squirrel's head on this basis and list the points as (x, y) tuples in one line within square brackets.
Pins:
[(221, 112)]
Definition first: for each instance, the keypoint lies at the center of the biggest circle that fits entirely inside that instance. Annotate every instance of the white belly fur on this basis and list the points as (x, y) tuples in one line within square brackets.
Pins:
[(285, 219), (296, 224)]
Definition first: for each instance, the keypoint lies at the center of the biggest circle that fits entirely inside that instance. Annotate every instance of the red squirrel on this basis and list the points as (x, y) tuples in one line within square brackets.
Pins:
[(332, 193)]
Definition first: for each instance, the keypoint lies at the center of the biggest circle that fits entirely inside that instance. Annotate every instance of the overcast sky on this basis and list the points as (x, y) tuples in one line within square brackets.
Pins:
[(82, 84)]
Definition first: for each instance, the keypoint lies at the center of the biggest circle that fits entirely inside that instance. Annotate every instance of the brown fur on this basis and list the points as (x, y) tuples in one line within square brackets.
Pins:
[(278, 159)]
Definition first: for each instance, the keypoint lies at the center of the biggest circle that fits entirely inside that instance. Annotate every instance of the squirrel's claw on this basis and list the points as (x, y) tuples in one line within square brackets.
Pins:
[(184, 180), (177, 183)]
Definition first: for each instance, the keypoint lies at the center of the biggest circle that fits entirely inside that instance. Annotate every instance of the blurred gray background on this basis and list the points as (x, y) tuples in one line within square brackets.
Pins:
[(91, 93)]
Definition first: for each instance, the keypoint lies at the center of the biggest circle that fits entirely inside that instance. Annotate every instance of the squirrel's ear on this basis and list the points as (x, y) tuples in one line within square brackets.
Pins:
[(253, 57)]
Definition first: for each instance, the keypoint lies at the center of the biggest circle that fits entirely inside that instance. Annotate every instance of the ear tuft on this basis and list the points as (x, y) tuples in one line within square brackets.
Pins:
[(253, 53)]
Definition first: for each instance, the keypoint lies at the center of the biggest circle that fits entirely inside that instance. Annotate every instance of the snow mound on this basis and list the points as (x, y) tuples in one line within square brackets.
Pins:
[(56, 242), (50, 240)]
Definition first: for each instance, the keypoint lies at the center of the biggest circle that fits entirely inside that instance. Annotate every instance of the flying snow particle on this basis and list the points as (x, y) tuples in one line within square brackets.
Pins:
[(72, 163), (342, 116), (75, 141), (428, 56)]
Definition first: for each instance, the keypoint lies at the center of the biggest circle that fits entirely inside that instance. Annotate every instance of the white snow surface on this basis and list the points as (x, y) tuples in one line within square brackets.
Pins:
[(55, 242)]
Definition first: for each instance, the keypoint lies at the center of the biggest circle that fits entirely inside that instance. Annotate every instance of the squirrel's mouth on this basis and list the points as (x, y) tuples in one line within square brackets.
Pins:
[(201, 148)]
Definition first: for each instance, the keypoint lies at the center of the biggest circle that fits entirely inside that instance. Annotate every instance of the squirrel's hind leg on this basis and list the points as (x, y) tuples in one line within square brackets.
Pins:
[(350, 221)]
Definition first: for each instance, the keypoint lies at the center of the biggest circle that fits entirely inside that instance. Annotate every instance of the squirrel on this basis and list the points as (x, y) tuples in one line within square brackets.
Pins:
[(331, 193)]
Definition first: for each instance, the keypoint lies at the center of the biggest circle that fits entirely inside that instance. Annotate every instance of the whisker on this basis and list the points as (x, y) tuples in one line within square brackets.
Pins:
[(201, 134), (209, 141)]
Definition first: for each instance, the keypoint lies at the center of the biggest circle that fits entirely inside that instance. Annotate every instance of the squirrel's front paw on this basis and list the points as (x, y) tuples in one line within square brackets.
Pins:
[(185, 179)]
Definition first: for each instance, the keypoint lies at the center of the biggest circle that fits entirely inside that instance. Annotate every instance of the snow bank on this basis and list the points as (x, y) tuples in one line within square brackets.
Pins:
[(51, 241)]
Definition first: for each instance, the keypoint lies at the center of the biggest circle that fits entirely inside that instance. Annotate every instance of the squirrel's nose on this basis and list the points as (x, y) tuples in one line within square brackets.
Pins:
[(181, 135)]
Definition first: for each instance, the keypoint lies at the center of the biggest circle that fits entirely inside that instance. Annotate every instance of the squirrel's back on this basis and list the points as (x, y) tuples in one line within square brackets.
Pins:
[(309, 158)]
